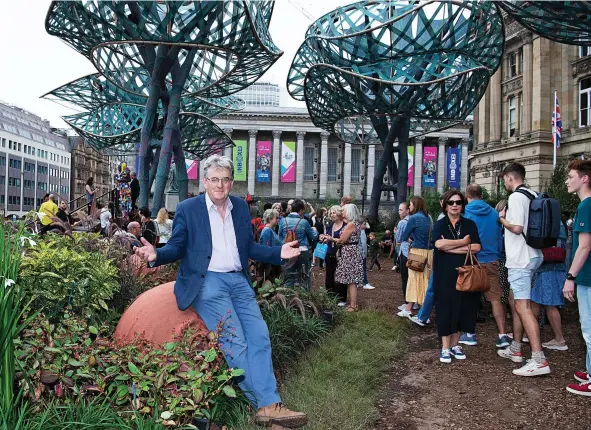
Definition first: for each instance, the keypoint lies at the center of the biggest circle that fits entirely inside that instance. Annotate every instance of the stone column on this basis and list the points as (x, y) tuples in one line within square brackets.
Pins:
[(228, 149), (441, 163), (371, 169), (252, 158), (202, 175), (464, 165), (418, 169), (527, 85), (484, 118), (276, 175), (323, 164), (496, 104), (542, 93), (300, 164), (347, 170)]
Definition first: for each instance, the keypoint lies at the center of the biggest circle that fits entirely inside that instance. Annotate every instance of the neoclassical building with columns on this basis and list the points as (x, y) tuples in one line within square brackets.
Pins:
[(325, 166), (513, 121)]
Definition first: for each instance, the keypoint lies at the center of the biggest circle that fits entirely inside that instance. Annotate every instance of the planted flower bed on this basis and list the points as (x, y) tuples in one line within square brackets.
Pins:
[(66, 355)]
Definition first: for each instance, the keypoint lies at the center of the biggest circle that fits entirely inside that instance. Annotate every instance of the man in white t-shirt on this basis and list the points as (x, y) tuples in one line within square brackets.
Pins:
[(522, 262)]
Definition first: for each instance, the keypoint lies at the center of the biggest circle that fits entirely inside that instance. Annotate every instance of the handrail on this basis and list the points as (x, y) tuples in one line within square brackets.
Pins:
[(86, 204)]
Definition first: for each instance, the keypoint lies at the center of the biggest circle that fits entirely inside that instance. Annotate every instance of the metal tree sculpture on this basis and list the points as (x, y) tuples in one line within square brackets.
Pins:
[(385, 70), (164, 67), (562, 21)]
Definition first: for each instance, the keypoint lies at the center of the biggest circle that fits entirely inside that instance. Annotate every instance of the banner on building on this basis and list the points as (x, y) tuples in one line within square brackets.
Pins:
[(429, 166), (192, 169), (288, 160), (411, 166), (453, 167), (239, 158), (263, 161)]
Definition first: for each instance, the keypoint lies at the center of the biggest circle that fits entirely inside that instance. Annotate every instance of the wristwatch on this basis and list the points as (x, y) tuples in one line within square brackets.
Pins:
[(570, 277)]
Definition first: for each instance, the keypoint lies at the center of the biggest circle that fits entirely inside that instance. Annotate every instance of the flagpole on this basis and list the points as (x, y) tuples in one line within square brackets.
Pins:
[(554, 128)]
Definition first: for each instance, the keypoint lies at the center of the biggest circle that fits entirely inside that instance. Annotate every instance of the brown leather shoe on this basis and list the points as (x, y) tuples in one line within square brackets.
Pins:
[(281, 416)]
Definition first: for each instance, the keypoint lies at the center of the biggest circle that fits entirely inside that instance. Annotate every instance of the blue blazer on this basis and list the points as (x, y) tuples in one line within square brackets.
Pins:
[(191, 242)]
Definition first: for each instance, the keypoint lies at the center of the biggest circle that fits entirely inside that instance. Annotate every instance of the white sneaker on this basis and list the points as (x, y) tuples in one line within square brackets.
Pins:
[(415, 319), (404, 314), (515, 357), (369, 287), (394, 268), (532, 368), (342, 304), (402, 307)]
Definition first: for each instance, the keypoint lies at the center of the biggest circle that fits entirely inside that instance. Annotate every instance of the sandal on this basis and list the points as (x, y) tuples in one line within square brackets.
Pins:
[(352, 308)]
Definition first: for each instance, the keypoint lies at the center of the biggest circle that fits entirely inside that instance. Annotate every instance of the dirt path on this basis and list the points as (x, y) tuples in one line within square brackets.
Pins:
[(480, 393)]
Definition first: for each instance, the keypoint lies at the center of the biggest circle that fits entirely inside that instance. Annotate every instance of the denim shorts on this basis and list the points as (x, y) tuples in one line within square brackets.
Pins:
[(520, 280)]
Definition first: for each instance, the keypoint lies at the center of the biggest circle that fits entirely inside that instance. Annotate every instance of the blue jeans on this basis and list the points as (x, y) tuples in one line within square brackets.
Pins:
[(429, 301), (584, 299), (244, 339)]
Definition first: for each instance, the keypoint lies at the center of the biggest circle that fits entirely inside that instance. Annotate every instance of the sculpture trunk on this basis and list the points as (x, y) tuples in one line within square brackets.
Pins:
[(403, 135)]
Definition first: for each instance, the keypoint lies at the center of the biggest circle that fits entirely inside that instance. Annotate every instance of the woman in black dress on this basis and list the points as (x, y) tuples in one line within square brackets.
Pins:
[(334, 232), (456, 311)]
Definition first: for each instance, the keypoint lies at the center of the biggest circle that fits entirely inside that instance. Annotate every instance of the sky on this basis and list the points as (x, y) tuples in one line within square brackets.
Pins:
[(33, 63)]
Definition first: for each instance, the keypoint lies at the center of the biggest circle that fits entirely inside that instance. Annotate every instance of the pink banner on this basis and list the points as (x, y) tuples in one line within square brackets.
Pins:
[(411, 167), (193, 169)]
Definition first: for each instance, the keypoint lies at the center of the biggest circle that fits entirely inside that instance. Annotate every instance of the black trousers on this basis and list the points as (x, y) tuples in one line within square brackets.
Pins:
[(332, 286), (403, 274), (375, 259)]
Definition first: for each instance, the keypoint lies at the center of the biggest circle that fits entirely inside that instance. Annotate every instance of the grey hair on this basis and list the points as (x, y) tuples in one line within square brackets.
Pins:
[(276, 206), (351, 212), (218, 162), (52, 197), (269, 215)]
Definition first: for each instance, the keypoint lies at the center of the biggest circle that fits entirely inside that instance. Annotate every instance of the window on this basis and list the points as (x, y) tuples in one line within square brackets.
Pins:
[(42, 186), (3, 143), (2, 180), (333, 154), (356, 165), (309, 155), (521, 127), (19, 147), (14, 182), (10, 144), (512, 115), (14, 200), (15, 164), (585, 102), (512, 63), (29, 183), (584, 51), (2, 161), (2, 200)]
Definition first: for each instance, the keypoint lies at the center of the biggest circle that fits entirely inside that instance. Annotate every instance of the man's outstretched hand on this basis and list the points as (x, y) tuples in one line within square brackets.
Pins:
[(287, 252), (147, 252)]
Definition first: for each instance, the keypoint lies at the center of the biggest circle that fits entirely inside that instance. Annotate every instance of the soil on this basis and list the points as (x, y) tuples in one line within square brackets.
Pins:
[(419, 392)]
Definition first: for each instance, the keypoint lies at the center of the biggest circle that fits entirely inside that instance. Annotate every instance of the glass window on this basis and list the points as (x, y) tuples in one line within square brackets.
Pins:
[(512, 115), (512, 64), (309, 155), (333, 154), (584, 51), (3, 142), (585, 102), (356, 165)]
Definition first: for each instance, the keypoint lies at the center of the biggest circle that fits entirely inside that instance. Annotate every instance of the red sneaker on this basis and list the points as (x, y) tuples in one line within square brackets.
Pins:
[(581, 376), (583, 389)]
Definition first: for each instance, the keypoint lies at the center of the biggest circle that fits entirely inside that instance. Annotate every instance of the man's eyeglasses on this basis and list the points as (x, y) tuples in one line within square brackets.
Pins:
[(454, 203), (216, 181)]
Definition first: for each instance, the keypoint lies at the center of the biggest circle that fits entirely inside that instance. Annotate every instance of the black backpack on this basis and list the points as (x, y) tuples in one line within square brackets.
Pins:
[(543, 226)]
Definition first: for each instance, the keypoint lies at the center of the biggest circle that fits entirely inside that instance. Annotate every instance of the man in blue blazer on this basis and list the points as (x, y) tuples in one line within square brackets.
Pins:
[(212, 236)]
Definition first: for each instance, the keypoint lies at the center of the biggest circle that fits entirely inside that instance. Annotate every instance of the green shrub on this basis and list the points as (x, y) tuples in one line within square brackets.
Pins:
[(68, 362), (60, 275)]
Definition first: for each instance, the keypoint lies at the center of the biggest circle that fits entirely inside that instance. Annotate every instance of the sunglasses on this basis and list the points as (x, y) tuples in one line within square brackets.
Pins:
[(454, 203)]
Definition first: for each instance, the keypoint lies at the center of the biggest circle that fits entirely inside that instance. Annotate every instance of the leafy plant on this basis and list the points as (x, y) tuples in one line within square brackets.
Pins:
[(59, 275), (13, 304), (69, 361), (557, 188)]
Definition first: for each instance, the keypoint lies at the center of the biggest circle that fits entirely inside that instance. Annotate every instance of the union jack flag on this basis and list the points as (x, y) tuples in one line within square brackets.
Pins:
[(556, 123)]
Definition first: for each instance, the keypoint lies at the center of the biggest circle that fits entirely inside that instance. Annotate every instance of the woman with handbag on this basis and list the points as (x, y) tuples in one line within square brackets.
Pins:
[(547, 290), (454, 237), (334, 231), (420, 254)]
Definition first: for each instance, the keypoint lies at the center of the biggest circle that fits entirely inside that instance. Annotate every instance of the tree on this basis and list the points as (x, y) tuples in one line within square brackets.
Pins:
[(557, 188), (164, 69)]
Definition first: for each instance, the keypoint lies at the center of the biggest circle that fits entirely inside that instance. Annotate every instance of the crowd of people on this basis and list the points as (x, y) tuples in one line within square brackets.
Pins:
[(525, 277)]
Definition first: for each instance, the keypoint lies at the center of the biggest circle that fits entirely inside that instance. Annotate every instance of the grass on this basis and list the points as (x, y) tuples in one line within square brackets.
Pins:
[(337, 384)]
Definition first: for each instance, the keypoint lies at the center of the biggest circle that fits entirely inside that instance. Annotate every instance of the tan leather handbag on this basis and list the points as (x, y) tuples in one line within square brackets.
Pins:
[(417, 262), (472, 278)]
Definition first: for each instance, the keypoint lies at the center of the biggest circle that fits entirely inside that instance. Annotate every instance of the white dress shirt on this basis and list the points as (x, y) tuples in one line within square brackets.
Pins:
[(224, 251)]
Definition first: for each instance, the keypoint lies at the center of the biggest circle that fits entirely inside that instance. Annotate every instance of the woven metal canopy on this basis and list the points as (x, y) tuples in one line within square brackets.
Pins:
[(233, 48), (562, 21), (430, 61)]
